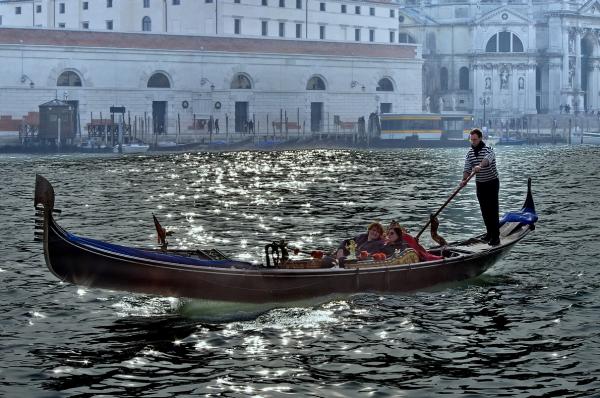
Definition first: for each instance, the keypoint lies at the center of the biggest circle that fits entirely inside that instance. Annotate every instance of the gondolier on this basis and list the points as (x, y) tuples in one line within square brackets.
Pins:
[(481, 160)]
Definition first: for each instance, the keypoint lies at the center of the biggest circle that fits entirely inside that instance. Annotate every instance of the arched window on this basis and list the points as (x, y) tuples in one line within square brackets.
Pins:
[(146, 24), (385, 84), (405, 38), (315, 83), (463, 78), (241, 82), (444, 79), (159, 80), (69, 79), (504, 42)]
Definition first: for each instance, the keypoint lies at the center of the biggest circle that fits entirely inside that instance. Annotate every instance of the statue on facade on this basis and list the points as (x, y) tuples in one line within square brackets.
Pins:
[(427, 104), (521, 83), (441, 104), (503, 79), (571, 72), (571, 45), (488, 83), (453, 103)]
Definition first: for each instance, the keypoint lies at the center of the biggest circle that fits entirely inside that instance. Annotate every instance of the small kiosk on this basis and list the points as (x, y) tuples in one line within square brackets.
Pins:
[(57, 123)]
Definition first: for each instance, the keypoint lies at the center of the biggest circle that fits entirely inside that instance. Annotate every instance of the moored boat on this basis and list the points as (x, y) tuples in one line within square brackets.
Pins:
[(131, 148), (210, 274)]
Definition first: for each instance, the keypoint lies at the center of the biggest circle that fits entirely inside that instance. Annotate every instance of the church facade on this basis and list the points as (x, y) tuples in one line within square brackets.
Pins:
[(507, 58)]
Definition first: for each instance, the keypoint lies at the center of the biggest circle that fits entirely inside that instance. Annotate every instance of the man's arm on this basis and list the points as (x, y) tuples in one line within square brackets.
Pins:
[(466, 171), (489, 158)]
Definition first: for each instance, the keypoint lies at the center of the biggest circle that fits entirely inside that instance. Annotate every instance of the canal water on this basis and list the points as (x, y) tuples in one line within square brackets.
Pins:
[(527, 327)]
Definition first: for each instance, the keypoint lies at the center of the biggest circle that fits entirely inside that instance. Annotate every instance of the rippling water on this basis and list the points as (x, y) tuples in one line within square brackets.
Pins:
[(528, 327)]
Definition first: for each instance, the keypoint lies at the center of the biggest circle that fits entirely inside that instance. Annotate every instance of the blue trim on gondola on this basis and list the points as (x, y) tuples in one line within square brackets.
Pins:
[(154, 256), (526, 217)]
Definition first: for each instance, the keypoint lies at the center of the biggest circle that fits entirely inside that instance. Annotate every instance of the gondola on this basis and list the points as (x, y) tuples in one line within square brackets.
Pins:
[(211, 275)]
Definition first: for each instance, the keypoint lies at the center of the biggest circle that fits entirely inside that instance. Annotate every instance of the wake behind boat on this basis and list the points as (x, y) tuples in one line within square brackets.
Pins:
[(212, 275)]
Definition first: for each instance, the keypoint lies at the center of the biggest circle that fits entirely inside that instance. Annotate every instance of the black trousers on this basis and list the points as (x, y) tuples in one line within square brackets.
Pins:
[(487, 195)]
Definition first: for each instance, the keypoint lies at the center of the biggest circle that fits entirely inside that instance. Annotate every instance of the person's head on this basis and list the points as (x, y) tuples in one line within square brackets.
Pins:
[(394, 233), (375, 231), (475, 137)]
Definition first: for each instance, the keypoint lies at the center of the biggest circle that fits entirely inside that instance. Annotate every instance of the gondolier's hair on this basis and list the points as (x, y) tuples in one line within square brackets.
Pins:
[(477, 131)]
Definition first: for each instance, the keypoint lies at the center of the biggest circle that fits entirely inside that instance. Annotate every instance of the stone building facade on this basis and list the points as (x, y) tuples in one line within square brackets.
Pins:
[(510, 58), (176, 79)]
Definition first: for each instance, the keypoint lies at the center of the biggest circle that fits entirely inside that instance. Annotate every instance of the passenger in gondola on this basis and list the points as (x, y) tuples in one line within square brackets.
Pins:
[(394, 242), (369, 243), (411, 242)]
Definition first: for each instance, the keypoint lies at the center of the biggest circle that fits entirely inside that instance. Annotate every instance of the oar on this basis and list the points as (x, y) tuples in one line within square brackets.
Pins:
[(456, 191)]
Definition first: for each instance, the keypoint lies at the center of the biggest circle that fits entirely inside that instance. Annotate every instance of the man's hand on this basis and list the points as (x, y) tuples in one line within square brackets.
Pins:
[(477, 169), (463, 183)]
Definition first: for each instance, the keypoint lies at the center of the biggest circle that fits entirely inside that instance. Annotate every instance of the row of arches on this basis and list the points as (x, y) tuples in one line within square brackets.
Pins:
[(240, 81)]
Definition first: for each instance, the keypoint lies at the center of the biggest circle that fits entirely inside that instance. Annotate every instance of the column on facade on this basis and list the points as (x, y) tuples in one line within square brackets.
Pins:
[(593, 84), (554, 84), (517, 102), (565, 68), (577, 82), (531, 95)]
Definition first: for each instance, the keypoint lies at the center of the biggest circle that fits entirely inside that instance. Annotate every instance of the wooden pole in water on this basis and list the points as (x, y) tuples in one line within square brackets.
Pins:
[(178, 129)]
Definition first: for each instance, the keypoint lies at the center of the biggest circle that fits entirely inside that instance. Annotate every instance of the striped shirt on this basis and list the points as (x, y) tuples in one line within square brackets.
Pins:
[(488, 173)]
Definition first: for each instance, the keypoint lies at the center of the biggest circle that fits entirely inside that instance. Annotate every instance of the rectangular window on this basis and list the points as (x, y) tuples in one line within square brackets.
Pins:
[(281, 29), (61, 8), (392, 37), (357, 10), (298, 30), (85, 25), (343, 8), (61, 25), (208, 1), (371, 34), (85, 5), (108, 3), (38, 9), (236, 1), (146, 3), (372, 11), (322, 6), (282, 3), (265, 28), (392, 13), (357, 34), (176, 2), (0, 20), (265, 2), (109, 25), (18, 10), (299, 4), (237, 26), (322, 32)]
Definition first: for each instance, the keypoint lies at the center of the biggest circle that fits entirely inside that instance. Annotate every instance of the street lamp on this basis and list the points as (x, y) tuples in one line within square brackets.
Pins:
[(484, 101)]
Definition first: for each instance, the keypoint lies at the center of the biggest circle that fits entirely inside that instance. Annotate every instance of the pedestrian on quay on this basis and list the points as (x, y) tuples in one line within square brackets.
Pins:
[(217, 126)]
